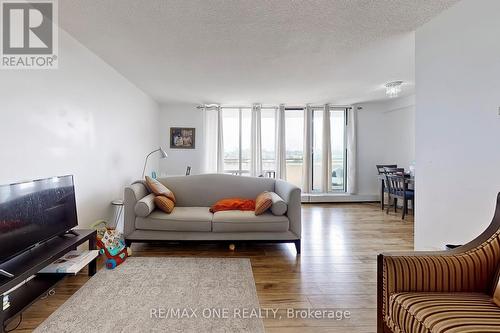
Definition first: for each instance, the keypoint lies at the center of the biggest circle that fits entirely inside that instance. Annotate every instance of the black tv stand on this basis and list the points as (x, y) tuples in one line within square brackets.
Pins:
[(71, 232), (6, 274), (29, 263)]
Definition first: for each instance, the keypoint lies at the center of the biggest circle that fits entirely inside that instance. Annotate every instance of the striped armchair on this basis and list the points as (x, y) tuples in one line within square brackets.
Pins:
[(445, 291)]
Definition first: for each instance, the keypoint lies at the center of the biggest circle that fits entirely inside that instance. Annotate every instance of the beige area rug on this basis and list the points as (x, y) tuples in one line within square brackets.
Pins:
[(163, 295)]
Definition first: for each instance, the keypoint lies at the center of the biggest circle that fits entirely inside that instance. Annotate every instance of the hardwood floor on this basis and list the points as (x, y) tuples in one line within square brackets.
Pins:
[(336, 270)]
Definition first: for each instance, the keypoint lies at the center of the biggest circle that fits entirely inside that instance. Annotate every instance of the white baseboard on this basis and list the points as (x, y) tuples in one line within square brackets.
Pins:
[(339, 197)]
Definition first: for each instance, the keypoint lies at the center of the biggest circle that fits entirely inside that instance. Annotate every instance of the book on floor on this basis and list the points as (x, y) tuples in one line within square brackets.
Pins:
[(6, 303), (72, 262)]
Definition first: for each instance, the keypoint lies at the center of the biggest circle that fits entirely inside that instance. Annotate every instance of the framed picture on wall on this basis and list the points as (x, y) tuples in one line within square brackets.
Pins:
[(182, 137)]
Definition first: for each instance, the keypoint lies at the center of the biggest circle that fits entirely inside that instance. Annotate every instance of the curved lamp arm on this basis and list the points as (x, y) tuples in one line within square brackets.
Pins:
[(163, 155)]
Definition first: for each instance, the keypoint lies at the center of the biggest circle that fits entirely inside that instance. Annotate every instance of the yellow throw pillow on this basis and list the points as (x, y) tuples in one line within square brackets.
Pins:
[(164, 203), (159, 189), (263, 202)]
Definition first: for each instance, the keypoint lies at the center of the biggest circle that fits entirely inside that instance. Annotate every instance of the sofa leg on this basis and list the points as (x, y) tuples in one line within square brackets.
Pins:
[(297, 245)]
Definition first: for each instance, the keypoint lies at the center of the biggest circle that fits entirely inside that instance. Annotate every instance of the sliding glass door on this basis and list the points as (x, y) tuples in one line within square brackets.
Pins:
[(246, 148), (294, 142), (268, 130), (317, 149), (231, 133), (237, 145), (337, 120), (236, 124), (339, 152)]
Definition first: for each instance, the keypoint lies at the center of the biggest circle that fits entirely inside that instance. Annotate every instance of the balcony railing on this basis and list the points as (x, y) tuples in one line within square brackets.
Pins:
[(293, 169)]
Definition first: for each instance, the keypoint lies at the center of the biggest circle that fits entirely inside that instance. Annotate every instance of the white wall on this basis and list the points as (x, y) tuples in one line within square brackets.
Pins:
[(386, 135), (457, 123), (83, 119), (181, 115)]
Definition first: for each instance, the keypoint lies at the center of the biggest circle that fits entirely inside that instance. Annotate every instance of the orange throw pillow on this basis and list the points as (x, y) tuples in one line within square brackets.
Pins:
[(164, 203), (263, 202), (233, 204), (159, 189)]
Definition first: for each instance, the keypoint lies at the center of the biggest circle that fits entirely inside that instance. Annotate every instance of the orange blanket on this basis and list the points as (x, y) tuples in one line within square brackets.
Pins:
[(233, 204)]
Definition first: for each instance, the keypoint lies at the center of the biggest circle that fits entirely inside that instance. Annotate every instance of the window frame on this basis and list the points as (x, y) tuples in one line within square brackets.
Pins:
[(287, 109), (310, 172), (240, 170), (344, 144), (344, 187)]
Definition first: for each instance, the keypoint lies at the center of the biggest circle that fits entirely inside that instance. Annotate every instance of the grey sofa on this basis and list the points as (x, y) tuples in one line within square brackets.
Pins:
[(191, 219)]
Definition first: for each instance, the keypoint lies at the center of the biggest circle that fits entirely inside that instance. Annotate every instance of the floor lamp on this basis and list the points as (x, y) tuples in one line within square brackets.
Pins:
[(163, 154)]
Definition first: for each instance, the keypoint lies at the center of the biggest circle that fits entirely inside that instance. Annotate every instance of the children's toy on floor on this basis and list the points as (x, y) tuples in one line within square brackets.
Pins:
[(111, 243)]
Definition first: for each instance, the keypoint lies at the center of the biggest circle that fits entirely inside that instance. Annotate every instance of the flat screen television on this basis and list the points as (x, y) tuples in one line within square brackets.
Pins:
[(33, 212)]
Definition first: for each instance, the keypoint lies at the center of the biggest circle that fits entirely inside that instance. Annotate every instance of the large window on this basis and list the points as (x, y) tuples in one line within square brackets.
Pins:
[(317, 148), (236, 127), (231, 127), (294, 142), (338, 143), (246, 136), (268, 130), (237, 145)]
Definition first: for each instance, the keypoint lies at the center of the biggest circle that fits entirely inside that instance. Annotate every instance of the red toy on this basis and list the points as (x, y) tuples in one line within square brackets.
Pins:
[(111, 243), (113, 260)]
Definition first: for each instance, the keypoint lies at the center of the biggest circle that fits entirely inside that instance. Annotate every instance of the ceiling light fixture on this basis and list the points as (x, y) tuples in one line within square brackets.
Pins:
[(392, 89)]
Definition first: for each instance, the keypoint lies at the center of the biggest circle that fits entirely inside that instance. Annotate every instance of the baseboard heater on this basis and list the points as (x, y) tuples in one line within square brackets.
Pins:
[(340, 197)]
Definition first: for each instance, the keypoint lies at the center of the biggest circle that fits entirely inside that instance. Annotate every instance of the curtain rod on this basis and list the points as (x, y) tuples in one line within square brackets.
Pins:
[(287, 107)]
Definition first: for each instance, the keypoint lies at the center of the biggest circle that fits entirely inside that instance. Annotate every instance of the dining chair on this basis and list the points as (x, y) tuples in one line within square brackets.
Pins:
[(383, 188), (394, 171), (397, 187), (381, 167)]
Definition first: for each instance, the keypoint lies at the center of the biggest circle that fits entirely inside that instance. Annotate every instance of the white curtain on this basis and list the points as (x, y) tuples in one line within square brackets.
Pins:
[(306, 168), (352, 185), (220, 142), (214, 144), (280, 143), (326, 161), (210, 153), (256, 142)]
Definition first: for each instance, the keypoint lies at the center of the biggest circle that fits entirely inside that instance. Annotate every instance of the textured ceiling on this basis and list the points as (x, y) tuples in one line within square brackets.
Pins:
[(241, 51)]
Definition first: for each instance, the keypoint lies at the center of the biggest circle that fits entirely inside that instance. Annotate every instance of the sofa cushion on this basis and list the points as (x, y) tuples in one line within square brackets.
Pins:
[(181, 219), (205, 190), (247, 221), (263, 202), (159, 189), (279, 206), (443, 312), (145, 206), (164, 204)]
